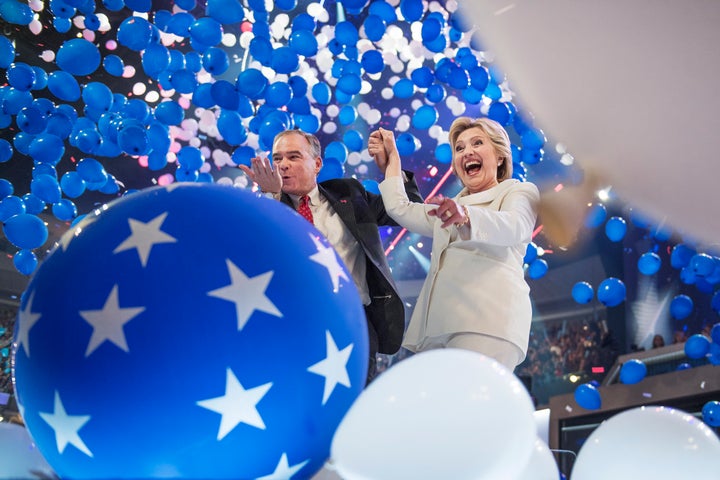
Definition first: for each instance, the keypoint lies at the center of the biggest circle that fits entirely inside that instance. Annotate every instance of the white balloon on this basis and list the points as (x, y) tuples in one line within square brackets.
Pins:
[(649, 442), (19, 457), (542, 422), (634, 100), (542, 464), (445, 413)]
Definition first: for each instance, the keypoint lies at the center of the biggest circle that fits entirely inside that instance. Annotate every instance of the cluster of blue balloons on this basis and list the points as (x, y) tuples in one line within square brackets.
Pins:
[(611, 292), (268, 95)]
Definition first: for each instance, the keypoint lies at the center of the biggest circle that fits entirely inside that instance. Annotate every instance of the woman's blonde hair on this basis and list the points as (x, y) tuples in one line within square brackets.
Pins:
[(497, 135)]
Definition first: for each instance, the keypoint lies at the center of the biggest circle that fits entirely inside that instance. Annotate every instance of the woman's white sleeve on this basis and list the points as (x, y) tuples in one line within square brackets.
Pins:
[(407, 214)]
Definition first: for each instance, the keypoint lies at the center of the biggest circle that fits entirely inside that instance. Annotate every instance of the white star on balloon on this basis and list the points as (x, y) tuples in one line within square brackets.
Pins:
[(27, 321), (109, 322), (333, 367), (327, 257), (238, 405), (248, 294), (283, 470), (144, 236), (66, 427)]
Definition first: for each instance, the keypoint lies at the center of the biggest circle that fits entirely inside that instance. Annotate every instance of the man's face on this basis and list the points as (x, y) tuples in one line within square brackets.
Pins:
[(298, 168)]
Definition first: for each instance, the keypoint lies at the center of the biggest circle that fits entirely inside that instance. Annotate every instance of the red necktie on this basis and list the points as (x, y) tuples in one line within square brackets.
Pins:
[(304, 208)]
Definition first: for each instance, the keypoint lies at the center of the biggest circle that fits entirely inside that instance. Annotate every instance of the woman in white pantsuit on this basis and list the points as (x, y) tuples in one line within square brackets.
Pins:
[(475, 295)]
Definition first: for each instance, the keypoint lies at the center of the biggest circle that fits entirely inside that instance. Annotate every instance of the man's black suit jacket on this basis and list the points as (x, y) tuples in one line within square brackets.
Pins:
[(362, 212)]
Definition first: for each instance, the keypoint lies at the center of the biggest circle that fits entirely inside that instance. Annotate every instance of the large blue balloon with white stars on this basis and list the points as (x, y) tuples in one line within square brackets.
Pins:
[(197, 331)]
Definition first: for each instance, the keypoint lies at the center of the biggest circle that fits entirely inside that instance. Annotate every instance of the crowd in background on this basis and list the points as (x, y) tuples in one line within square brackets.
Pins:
[(7, 321), (561, 347)]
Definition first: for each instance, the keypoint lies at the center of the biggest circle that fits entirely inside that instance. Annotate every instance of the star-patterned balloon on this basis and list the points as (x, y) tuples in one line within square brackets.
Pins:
[(196, 331)]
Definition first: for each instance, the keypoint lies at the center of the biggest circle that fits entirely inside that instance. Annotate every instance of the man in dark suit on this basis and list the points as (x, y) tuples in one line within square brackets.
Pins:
[(349, 216)]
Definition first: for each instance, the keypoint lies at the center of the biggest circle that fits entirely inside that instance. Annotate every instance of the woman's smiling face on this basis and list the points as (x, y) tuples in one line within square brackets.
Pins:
[(475, 160)]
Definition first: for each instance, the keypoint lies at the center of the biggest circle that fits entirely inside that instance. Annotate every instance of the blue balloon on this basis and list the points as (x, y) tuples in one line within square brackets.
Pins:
[(133, 140), (346, 33), (215, 61), (25, 231), (249, 297), (202, 95), (372, 61), (135, 33), (596, 215), (424, 117), (711, 413), (582, 292), (435, 93), (41, 78), (64, 210), (284, 60), (353, 140), (303, 42), (11, 206), (190, 158), (375, 27), (332, 168), (6, 187), (7, 52), (501, 112), (230, 126), (225, 95), (15, 12), (252, 83), (350, 84), (307, 123), (715, 333), (533, 139), (139, 5), (225, 11), (31, 120), (97, 95), (336, 150), (702, 264), (25, 261), (588, 397), (632, 371), (412, 10), (6, 151), (406, 143), (207, 31), (20, 75), (649, 263), (403, 88), (47, 148), (157, 160), (63, 86), (697, 346), (443, 153), (183, 174), (110, 186), (15, 100), (531, 253), (243, 155), (278, 94), (347, 115), (62, 25), (431, 28), (611, 292), (91, 171), (681, 307), (537, 268), (72, 184), (321, 93), (169, 113), (46, 188), (615, 228), (78, 57), (681, 255)]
